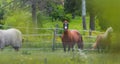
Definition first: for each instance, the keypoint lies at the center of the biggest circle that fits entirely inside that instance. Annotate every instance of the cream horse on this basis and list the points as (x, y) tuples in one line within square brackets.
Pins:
[(103, 41)]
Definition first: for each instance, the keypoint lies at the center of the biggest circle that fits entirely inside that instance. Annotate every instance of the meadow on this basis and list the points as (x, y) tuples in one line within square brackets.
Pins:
[(38, 49), (37, 45), (9, 56)]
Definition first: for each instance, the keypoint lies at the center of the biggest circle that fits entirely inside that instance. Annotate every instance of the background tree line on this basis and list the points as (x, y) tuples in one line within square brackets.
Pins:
[(56, 9)]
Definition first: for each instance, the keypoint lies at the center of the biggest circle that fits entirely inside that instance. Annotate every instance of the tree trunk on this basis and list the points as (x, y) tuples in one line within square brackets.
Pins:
[(84, 22), (92, 21), (34, 15), (84, 14)]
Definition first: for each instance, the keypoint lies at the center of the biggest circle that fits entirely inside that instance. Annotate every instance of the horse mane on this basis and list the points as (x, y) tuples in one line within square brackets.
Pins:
[(108, 32)]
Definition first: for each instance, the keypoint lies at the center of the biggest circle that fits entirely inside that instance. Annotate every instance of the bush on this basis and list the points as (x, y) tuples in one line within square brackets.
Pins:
[(18, 19)]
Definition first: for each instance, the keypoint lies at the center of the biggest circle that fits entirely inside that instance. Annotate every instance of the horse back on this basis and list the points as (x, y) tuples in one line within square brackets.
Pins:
[(76, 35)]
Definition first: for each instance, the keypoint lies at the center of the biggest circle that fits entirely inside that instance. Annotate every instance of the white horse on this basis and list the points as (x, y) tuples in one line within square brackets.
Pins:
[(12, 37), (103, 40)]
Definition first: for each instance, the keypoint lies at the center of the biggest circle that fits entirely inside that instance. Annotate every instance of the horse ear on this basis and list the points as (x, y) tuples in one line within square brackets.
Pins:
[(65, 21)]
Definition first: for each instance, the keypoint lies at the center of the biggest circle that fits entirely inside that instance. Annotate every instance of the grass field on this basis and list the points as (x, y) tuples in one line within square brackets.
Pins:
[(56, 57), (46, 56)]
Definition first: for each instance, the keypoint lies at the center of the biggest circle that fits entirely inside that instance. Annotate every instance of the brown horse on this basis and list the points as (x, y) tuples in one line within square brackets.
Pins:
[(70, 37), (103, 41)]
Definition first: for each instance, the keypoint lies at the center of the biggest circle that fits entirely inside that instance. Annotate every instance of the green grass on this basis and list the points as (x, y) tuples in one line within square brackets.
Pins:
[(56, 57)]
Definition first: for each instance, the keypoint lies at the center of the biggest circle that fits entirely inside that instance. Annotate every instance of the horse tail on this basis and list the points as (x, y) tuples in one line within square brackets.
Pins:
[(81, 39), (80, 36), (80, 43)]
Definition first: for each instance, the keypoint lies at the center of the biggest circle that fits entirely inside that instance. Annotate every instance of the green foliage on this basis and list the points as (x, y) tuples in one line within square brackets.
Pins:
[(18, 19), (70, 6), (57, 12), (1, 17), (1, 14), (41, 17), (91, 6), (73, 7), (109, 15), (103, 23)]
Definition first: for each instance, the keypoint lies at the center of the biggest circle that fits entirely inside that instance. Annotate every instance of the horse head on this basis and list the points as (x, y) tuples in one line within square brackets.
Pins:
[(65, 25), (110, 29)]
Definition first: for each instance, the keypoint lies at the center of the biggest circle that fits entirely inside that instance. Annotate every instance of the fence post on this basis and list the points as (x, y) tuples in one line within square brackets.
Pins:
[(45, 61), (90, 32), (54, 37), (53, 44), (27, 30)]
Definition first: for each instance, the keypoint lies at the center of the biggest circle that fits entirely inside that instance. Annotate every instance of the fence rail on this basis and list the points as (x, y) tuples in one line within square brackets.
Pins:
[(51, 39)]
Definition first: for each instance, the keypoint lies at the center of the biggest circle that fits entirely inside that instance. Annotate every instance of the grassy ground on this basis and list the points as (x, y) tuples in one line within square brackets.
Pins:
[(56, 57)]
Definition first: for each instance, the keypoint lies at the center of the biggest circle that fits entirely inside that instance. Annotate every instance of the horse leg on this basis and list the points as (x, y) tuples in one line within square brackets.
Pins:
[(2, 46), (64, 46), (98, 49), (68, 47), (72, 46), (16, 48), (80, 45), (1, 49), (107, 48)]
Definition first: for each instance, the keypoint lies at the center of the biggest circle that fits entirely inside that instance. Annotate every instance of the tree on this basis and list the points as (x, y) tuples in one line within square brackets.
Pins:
[(1, 14), (55, 10), (91, 9), (92, 21), (1, 17), (34, 15), (84, 14), (70, 7)]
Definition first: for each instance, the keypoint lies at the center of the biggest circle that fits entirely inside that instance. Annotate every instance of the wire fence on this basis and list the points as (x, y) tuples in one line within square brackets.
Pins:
[(51, 38)]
